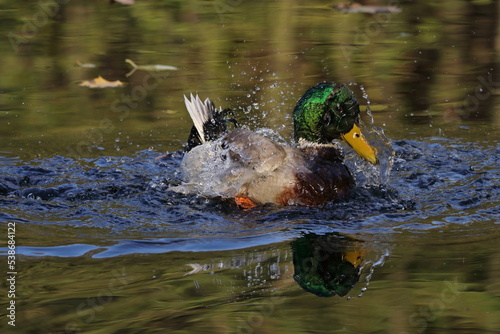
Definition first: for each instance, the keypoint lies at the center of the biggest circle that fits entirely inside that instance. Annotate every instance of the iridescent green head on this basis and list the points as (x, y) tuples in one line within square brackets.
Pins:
[(329, 111), (324, 112)]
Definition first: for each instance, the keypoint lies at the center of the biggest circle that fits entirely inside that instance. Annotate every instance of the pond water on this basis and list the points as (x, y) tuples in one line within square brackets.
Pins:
[(103, 247)]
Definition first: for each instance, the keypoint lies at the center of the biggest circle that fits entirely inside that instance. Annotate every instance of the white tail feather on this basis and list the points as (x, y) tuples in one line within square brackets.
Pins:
[(200, 112)]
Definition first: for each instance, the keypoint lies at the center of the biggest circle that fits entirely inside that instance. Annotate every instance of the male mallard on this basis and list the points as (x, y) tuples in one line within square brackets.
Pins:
[(254, 169)]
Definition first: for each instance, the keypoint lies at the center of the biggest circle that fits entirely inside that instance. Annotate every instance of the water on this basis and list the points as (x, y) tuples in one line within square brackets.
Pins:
[(102, 245), (113, 218), (435, 182)]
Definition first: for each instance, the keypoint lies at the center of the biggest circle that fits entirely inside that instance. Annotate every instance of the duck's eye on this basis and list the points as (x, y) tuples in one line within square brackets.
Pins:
[(338, 109), (327, 118)]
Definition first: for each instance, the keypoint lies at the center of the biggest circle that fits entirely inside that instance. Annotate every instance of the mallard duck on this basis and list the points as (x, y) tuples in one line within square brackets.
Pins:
[(254, 169)]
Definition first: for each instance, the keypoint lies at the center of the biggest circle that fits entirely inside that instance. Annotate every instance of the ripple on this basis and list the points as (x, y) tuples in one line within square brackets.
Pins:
[(432, 186)]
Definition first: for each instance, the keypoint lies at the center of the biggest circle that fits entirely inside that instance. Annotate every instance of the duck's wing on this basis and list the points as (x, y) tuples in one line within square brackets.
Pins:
[(264, 167), (252, 151), (226, 167)]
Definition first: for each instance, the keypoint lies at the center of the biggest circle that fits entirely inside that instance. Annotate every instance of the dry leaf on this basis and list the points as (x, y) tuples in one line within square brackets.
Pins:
[(85, 65), (100, 82), (150, 68), (123, 2), (358, 8)]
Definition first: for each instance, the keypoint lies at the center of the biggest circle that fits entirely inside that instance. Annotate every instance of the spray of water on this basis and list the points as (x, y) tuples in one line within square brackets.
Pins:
[(365, 173), (370, 266)]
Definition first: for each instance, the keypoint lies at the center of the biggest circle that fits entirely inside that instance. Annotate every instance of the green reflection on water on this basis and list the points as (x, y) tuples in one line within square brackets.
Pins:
[(425, 285)]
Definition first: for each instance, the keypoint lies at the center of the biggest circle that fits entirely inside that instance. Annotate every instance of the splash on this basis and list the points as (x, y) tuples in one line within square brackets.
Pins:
[(365, 173), (216, 169), (370, 266)]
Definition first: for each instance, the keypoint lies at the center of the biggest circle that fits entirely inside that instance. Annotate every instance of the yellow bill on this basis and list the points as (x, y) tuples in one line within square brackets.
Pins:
[(354, 257), (358, 142)]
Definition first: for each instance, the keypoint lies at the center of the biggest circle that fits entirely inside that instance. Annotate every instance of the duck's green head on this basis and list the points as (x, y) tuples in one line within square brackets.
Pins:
[(330, 111)]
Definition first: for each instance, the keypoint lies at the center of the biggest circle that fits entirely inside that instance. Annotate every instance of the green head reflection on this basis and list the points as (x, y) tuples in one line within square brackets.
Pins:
[(327, 265)]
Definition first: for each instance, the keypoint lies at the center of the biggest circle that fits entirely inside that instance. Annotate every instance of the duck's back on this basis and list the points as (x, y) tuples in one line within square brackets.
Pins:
[(244, 164)]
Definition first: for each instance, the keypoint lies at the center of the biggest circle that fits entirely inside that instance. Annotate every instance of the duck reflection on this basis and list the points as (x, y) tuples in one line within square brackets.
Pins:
[(327, 265)]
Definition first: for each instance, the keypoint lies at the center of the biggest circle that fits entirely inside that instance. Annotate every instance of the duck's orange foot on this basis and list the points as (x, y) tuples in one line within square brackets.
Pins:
[(161, 157), (244, 202)]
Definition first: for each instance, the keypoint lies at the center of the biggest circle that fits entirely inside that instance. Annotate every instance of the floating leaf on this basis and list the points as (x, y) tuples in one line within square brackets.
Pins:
[(85, 65), (100, 82), (153, 68), (123, 2), (358, 8)]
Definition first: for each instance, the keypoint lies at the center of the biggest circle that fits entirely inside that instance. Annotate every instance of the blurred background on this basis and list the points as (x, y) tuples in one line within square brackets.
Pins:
[(428, 67)]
